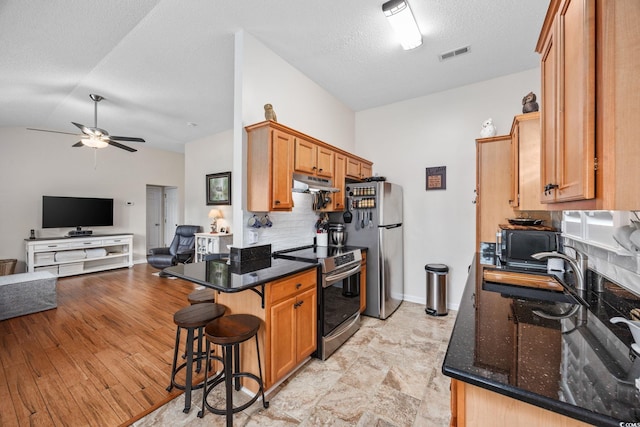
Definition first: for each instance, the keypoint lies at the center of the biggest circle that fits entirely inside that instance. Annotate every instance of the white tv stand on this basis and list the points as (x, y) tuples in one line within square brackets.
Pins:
[(117, 252)]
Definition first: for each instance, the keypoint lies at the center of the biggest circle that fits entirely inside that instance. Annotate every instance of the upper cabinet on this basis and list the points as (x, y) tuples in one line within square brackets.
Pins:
[(270, 169), (274, 151), (567, 46), (590, 54), (313, 159), (358, 168), (525, 170)]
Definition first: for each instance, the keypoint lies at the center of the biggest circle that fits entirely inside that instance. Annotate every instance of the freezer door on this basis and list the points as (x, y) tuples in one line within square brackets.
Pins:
[(391, 269), (389, 203)]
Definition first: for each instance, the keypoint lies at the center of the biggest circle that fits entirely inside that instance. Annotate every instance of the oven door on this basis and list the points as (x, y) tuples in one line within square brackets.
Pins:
[(340, 297)]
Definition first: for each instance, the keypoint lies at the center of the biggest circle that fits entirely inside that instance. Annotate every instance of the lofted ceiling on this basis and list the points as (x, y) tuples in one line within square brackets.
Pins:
[(161, 64)]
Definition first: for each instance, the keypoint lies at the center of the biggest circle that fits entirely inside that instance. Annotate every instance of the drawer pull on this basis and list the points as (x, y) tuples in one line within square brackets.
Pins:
[(298, 285)]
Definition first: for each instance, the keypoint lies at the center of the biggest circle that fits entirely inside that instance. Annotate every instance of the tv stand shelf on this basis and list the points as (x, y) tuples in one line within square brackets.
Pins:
[(68, 256)]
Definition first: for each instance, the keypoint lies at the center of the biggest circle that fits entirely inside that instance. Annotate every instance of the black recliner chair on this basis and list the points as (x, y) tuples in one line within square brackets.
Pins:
[(181, 250)]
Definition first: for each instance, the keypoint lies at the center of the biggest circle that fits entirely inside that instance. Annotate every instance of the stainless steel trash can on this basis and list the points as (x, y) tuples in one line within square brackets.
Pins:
[(437, 275)]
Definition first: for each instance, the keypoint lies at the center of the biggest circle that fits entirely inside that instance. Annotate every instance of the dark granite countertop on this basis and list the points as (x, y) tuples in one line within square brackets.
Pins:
[(223, 277), (581, 366)]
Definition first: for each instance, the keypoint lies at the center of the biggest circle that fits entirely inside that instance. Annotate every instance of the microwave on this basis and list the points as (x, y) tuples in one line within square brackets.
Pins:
[(515, 247)]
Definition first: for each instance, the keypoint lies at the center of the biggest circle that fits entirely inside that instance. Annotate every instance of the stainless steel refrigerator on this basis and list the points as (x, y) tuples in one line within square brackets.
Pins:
[(376, 222)]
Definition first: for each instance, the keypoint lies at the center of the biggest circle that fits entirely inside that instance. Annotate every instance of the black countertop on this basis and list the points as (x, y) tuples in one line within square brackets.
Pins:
[(581, 366), (223, 277)]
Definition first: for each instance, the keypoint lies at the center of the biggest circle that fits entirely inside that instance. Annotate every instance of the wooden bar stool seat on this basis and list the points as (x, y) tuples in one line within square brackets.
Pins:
[(202, 296), (228, 332), (193, 317)]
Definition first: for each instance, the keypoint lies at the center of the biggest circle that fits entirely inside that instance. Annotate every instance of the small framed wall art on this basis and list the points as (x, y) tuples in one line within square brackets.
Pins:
[(437, 178), (219, 188)]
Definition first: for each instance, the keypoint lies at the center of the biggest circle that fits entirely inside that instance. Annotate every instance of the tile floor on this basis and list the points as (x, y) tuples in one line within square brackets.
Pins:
[(388, 374)]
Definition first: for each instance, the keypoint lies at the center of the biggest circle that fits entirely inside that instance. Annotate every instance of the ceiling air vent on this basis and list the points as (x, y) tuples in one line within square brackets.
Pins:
[(455, 52)]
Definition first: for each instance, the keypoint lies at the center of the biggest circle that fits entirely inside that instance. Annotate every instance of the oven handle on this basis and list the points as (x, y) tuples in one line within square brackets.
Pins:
[(340, 330), (337, 277)]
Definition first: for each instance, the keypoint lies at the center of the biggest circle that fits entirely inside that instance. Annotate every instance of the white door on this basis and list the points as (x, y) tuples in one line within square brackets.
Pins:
[(170, 213), (154, 217)]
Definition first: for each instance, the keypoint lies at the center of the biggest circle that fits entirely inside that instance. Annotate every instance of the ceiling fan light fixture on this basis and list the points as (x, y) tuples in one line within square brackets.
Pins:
[(401, 19), (94, 142)]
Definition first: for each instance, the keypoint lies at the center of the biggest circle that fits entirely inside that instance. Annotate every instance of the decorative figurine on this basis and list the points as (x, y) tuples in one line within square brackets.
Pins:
[(488, 129), (529, 104), (269, 114)]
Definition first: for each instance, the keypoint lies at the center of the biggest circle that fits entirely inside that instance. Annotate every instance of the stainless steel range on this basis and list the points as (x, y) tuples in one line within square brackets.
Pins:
[(338, 292)]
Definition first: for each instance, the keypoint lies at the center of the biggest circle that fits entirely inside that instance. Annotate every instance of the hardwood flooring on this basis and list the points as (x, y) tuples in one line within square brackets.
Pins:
[(100, 359)]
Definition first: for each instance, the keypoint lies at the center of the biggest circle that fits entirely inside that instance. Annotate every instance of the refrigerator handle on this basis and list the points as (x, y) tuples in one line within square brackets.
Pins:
[(391, 226)]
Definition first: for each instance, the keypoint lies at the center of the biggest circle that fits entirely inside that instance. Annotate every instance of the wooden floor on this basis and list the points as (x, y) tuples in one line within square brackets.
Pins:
[(100, 359)]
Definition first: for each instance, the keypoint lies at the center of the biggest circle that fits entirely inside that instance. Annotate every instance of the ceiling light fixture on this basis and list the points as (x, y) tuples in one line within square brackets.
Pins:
[(403, 23), (94, 142)]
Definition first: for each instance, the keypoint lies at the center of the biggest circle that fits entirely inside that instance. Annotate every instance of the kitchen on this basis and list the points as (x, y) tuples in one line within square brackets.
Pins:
[(447, 125)]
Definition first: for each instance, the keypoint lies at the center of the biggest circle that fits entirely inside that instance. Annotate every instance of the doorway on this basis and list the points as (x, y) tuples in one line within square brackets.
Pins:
[(162, 215)]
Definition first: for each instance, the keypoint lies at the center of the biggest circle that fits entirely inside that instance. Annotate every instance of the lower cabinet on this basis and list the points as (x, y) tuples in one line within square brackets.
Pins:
[(363, 282), (288, 334), (476, 406)]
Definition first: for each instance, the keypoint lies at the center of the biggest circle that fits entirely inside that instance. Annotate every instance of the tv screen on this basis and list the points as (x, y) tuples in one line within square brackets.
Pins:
[(59, 212)]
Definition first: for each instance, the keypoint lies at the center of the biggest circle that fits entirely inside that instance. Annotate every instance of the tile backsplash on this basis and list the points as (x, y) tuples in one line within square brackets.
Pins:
[(289, 229)]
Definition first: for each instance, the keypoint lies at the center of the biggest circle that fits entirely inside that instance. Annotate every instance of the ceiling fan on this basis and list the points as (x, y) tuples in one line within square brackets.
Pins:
[(96, 137)]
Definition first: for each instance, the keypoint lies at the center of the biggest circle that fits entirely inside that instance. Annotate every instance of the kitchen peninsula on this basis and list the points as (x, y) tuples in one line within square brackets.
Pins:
[(282, 293), (510, 366)]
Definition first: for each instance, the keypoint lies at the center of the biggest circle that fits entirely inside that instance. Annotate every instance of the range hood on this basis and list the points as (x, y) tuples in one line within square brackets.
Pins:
[(311, 184)]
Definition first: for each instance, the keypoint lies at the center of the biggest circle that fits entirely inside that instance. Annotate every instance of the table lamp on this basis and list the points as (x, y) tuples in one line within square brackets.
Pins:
[(214, 214)]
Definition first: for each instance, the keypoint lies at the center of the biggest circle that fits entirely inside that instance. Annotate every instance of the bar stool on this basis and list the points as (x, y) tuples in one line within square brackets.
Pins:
[(202, 296), (193, 317), (228, 332)]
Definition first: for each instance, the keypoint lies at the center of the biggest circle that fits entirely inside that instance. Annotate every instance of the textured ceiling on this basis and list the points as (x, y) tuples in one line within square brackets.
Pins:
[(163, 63)]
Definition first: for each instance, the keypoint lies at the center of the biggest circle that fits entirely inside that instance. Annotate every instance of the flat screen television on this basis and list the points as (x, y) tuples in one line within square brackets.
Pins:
[(60, 212)]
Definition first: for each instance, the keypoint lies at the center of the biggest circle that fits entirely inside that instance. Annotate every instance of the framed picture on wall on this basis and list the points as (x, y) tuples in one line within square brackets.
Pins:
[(219, 188), (436, 178)]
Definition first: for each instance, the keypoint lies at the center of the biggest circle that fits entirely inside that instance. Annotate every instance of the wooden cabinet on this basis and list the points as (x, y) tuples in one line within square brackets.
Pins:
[(493, 186), (313, 159), (269, 169), (292, 319), (363, 282), (340, 163), (475, 406), (590, 51), (274, 151), (358, 169), (288, 334), (568, 103), (525, 146)]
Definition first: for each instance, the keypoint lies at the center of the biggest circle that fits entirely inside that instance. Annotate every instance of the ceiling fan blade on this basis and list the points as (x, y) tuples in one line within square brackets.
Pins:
[(124, 147), (78, 144), (83, 128), (126, 138), (53, 131)]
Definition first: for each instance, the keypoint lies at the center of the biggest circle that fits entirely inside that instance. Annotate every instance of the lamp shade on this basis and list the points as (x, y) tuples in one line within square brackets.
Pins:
[(215, 213), (94, 142), (403, 23)]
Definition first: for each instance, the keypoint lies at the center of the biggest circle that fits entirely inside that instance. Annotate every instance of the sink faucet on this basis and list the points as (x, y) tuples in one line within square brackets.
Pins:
[(579, 266)]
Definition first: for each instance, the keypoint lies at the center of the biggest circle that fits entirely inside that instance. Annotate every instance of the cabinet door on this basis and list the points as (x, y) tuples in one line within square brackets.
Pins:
[(325, 162), (305, 156), (283, 348), (353, 168), (568, 96), (365, 170), (281, 156), (340, 166), (514, 198), (494, 186), (306, 324)]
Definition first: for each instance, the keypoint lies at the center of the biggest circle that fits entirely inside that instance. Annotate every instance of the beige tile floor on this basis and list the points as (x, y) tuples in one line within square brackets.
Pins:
[(388, 374)]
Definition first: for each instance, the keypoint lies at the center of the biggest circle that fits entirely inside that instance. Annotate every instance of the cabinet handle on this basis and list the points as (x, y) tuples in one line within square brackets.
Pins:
[(277, 202), (298, 285), (320, 170), (549, 187), (314, 168), (298, 304)]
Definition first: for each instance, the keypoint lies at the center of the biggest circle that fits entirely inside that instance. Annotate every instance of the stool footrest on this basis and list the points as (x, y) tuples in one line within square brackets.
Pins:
[(236, 409)]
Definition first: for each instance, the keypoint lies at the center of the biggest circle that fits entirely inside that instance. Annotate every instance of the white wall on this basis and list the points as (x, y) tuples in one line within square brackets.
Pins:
[(300, 104), (213, 154), (404, 138), (33, 164)]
